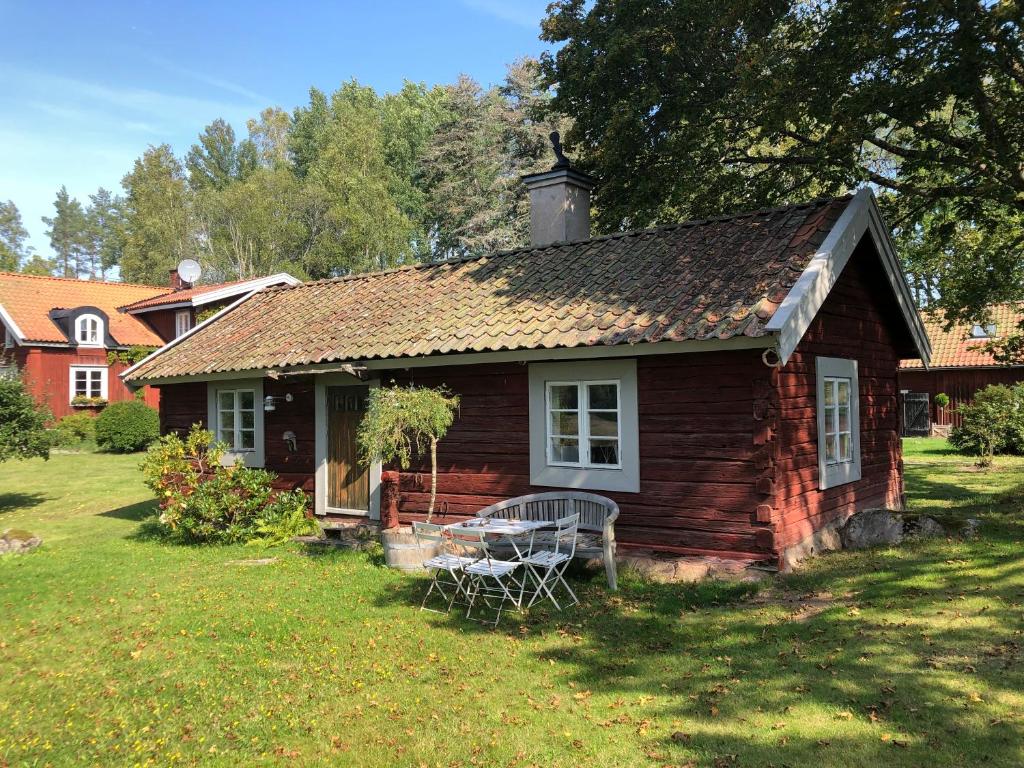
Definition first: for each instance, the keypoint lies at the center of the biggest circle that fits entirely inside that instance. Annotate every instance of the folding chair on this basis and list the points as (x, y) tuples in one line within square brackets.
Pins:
[(547, 566), (442, 565), (491, 581)]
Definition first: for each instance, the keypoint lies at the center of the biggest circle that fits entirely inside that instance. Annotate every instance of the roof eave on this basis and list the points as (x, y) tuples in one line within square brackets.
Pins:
[(805, 299)]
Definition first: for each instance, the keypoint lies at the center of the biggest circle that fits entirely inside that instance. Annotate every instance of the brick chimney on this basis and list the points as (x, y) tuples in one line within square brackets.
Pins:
[(176, 283), (559, 201)]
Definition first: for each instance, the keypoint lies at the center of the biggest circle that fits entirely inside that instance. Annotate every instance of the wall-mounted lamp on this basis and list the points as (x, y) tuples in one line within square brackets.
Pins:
[(268, 401), (290, 440)]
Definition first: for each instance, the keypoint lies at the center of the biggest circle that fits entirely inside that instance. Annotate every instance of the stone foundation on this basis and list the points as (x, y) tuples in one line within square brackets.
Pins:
[(670, 569)]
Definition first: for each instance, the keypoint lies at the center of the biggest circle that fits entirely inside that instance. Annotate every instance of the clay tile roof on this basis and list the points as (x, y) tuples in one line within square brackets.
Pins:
[(712, 279), (28, 299), (956, 348), (177, 297)]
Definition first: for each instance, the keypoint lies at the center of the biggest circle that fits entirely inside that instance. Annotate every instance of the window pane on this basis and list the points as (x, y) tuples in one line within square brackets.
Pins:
[(565, 449), (830, 392), (830, 448), (565, 423), (603, 396), (226, 400), (564, 397), (247, 439), (830, 420), (844, 391), (227, 436), (227, 420), (248, 419), (844, 419), (604, 451), (845, 446), (246, 399), (604, 424)]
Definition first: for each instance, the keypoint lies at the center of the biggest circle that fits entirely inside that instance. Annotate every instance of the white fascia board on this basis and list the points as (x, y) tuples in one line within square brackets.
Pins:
[(12, 326), (505, 356), (247, 287), (805, 299), (159, 308), (178, 340)]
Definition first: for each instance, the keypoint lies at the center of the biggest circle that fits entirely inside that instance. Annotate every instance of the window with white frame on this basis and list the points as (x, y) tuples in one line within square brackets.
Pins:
[(88, 381), (89, 330), (235, 416), (8, 338), (584, 425), (182, 322), (838, 409)]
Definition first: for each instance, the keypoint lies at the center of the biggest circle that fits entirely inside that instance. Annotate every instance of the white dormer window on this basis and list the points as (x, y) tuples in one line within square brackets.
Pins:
[(980, 331), (89, 331), (182, 322)]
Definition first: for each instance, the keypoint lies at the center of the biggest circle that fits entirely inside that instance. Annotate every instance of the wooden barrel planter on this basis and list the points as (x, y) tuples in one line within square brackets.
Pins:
[(401, 549)]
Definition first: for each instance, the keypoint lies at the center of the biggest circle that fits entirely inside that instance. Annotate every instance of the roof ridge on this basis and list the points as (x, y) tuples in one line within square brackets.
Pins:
[(4, 273), (818, 201)]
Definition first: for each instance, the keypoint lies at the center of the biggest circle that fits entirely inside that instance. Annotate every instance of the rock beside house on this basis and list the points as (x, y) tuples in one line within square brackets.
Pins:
[(883, 527), (15, 541)]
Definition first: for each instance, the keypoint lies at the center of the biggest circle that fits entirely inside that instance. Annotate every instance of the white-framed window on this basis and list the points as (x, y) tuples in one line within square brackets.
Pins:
[(88, 381), (584, 425), (838, 409), (235, 416), (987, 331), (8, 338), (89, 331), (182, 322)]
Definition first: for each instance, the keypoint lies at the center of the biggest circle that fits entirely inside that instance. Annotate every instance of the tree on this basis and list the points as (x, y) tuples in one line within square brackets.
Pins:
[(106, 219), (401, 421), (38, 265), (687, 109), (269, 136), (156, 217), (12, 238), (22, 422), (69, 236), (217, 160)]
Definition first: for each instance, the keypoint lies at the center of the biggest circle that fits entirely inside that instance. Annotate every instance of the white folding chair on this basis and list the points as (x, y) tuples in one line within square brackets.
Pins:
[(492, 582), (446, 569), (547, 565)]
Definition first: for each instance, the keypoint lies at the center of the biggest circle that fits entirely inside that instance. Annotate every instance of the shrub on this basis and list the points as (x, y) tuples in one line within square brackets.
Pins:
[(942, 400), (202, 501), (127, 427), (22, 423), (74, 429), (993, 423)]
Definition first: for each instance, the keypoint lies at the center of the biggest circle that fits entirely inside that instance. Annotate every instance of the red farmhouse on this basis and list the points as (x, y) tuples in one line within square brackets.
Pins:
[(731, 382), (58, 332)]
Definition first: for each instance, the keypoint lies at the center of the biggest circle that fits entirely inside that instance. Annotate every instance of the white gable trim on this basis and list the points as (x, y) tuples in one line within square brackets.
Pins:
[(794, 316), (226, 292), (12, 326)]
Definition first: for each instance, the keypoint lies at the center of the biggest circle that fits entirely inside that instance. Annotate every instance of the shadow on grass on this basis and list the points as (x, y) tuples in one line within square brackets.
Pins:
[(134, 512), (10, 502)]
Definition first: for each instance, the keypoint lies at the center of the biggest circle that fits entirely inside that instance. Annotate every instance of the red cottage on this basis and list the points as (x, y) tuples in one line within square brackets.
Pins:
[(959, 368), (59, 333), (731, 383)]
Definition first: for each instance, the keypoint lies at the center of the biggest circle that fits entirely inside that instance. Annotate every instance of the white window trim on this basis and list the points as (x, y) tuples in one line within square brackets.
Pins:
[(583, 411), (182, 322), (100, 330), (9, 340), (255, 457), (624, 477), (104, 379), (839, 472)]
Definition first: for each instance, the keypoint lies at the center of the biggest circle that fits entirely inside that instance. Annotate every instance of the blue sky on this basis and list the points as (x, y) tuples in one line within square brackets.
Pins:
[(85, 87)]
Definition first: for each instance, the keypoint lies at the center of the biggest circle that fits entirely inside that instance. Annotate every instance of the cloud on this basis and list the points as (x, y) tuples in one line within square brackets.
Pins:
[(225, 85), (523, 13)]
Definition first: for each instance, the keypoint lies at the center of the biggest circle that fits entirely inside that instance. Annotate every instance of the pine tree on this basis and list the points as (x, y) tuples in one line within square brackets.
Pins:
[(12, 237), (68, 231)]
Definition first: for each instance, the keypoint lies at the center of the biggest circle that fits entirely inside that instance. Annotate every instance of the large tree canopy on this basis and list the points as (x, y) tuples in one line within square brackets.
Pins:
[(692, 108)]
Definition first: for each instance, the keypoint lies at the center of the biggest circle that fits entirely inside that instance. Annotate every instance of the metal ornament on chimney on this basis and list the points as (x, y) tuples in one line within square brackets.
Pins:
[(561, 161)]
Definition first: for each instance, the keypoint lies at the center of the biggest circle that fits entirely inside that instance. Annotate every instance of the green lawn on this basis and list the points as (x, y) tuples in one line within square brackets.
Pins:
[(119, 649)]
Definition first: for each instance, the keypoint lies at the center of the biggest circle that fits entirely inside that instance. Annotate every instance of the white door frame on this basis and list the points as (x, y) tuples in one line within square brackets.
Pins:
[(321, 383)]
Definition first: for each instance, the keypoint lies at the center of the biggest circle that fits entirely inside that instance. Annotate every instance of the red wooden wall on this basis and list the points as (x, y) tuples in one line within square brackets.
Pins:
[(47, 372), (858, 322), (959, 383)]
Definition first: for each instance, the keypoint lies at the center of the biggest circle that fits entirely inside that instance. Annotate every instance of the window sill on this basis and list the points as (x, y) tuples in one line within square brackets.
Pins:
[(97, 404)]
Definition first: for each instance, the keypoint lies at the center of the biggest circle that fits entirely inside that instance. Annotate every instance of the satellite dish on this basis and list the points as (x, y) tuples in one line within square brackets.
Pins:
[(189, 270)]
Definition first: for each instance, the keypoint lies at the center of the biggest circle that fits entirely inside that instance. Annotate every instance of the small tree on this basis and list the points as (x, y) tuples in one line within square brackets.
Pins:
[(993, 423), (401, 421), (22, 422)]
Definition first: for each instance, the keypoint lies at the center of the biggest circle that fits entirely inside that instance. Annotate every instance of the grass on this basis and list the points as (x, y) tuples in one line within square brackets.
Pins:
[(117, 648)]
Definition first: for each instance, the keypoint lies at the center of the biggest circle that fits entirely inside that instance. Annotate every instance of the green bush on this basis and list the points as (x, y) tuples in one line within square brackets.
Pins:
[(127, 427), (993, 423), (942, 400), (22, 423), (74, 429), (202, 501)]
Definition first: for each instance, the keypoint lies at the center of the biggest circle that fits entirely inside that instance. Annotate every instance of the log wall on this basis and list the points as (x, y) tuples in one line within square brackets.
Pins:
[(959, 383)]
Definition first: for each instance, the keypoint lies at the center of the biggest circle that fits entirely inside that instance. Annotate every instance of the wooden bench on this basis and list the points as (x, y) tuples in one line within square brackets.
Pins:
[(597, 520)]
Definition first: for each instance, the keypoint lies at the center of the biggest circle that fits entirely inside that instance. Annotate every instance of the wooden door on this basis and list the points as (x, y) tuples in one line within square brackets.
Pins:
[(348, 481)]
